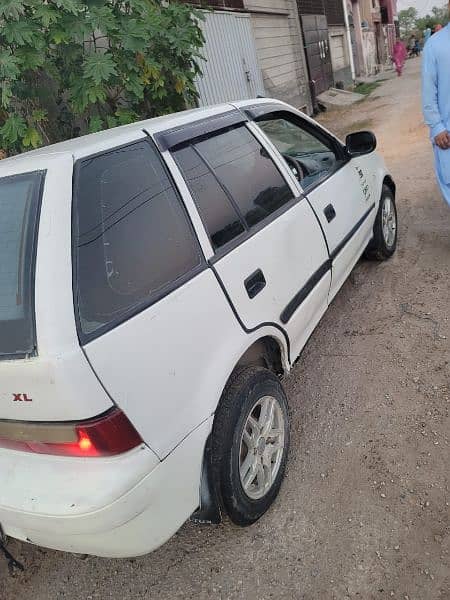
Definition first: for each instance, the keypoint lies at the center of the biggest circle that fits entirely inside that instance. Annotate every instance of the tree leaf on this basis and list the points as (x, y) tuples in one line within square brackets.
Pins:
[(111, 121), (134, 85), (81, 95), (179, 85), (102, 18), (59, 35), (19, 32), (95, 124), (11, 9), (71, 6), (30, 58), (125, 116), (39, 115), (6, 94), (99, 67), (9, 65), (13, 129), (46, 15), (134, 34), (32, 138)]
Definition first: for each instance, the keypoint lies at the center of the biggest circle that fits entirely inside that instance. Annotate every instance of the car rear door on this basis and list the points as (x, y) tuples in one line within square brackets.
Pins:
[(267, 248), (338, 188)]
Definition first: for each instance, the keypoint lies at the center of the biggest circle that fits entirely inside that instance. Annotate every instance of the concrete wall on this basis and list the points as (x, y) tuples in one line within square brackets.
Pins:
[(370, 53), (340, 58), (279, 48)]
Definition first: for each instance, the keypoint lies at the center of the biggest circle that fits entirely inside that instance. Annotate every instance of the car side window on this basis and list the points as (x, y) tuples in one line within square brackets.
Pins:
[(216, 211), (133, 239), (234, 182), (311, 157)]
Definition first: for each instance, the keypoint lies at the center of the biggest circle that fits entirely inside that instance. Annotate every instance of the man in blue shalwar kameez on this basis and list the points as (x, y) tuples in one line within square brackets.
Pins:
[(436, 102)]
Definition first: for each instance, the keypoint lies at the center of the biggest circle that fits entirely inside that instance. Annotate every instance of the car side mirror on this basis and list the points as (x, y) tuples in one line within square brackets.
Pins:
[(360, 143)]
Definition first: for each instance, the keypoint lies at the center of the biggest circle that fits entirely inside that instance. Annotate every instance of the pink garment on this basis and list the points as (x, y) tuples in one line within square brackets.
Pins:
[(399, 56)]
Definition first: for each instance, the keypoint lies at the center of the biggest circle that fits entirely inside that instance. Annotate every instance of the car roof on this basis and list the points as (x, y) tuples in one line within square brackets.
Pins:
[(97, 142)]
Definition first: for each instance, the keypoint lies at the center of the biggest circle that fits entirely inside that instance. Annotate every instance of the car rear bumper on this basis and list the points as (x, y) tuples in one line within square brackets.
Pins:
[(117, 507)]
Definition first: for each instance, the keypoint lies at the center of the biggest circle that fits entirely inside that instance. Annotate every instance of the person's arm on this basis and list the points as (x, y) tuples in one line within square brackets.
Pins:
[(430, 99)]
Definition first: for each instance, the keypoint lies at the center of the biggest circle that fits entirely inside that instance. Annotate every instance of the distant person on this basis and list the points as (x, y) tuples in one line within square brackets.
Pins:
[(417, 48), (436, 102), (437, 28), (426, 35), (411, 45), (399, 55)]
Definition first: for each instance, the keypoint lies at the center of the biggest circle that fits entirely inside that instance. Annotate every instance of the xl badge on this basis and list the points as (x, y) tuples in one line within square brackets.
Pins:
[(22, 398)]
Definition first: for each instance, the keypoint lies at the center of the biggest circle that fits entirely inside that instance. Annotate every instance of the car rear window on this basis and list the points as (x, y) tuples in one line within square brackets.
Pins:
[(19, 210), (134, 242)]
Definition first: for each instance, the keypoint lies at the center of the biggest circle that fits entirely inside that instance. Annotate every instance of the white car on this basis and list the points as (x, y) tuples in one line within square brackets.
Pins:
[(156, 280)]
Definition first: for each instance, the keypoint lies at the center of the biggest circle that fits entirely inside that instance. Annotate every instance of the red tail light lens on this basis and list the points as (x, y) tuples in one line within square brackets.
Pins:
[(107, 435)]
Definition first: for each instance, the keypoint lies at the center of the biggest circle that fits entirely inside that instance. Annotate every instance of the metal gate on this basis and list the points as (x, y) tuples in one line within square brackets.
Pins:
[(230, 71), (318, 57)]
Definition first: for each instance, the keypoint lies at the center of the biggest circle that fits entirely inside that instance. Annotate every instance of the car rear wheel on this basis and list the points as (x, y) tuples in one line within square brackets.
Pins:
[(250, 443), (384, 242)]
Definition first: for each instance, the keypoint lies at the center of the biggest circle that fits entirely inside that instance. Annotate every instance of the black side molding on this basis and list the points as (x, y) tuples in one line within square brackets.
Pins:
[(351, 233), (304, 292), (170, 138)]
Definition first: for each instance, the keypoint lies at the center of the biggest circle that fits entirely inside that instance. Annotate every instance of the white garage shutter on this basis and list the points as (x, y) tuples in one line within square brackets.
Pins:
[(230, 71)]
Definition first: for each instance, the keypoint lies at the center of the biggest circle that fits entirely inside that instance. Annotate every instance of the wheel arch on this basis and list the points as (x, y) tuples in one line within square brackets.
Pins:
[(267, 351), (390, 183)]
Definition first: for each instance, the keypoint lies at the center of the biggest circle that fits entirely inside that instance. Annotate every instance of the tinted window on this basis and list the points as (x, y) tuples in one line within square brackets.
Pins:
[(219, 217), (134, 241), (245, 169), (19, 207), (316, 158)]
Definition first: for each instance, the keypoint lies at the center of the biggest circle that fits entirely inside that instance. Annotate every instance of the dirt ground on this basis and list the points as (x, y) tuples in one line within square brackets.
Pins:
[(364, 512)]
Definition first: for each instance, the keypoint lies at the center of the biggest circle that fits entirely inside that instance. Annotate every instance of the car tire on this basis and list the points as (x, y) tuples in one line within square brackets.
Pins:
[(384, 241), (250, 443)]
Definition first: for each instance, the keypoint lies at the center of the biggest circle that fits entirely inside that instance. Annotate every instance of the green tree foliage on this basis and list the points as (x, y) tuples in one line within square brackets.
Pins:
[(72, 66), (410, 22), (407, 21), (439, 15)]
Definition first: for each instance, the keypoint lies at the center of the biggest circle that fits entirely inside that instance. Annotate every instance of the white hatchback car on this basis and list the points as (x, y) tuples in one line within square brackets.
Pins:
[(155, 282)]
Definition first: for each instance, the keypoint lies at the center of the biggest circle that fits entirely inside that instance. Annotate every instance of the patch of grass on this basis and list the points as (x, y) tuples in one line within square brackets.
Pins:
[(366, 88)]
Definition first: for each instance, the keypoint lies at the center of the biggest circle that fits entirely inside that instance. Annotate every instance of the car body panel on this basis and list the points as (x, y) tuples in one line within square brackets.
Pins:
[(125, 506), (58, 383), (175, 358)]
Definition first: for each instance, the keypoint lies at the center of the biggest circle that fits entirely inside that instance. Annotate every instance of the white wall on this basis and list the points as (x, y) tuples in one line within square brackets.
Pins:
[(370, 52), (279, 48)]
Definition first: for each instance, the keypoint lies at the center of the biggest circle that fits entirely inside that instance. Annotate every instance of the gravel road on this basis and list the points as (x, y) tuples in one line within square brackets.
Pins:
[(364, 512)]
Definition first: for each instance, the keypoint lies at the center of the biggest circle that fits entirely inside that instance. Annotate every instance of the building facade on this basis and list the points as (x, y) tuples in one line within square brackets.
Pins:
[(378, 24), (328, 51), (253, 47)]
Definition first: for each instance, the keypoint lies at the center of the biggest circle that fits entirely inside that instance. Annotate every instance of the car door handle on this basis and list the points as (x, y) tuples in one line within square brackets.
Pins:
[(329, 212), (255, 283)]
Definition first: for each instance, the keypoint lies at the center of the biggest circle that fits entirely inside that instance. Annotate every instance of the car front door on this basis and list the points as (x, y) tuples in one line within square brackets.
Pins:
[(267, 248), (336, 186)]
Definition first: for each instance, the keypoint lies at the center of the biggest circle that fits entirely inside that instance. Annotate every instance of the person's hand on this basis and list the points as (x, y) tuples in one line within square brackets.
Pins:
[(443, 140)]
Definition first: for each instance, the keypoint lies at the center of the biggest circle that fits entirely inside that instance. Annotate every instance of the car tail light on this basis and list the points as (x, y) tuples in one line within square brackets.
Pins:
[(106, 435)]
